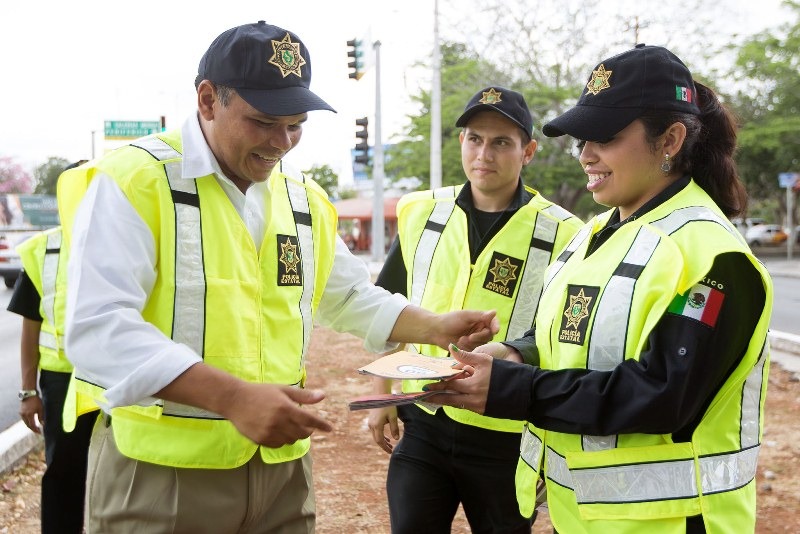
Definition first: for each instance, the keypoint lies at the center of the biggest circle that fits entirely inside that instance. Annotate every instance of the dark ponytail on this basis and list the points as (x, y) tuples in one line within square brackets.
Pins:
[(707, 153)]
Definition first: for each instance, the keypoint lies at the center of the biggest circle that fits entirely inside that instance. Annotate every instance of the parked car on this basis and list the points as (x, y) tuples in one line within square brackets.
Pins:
[(10, 262), (745, 224), (765, 235)]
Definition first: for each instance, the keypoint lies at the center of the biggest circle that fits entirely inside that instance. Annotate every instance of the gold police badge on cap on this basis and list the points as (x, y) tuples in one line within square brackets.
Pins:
[(491, 97), (286, 56), (599, 80)]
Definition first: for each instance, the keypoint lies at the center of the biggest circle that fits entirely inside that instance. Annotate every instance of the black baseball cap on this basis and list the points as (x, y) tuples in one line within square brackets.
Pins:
[(269, 67), (622, 88), (505, 101)]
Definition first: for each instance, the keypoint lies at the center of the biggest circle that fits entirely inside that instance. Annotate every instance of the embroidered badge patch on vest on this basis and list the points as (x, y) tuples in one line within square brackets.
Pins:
[(503, 274), (288, 260), (579, 305)]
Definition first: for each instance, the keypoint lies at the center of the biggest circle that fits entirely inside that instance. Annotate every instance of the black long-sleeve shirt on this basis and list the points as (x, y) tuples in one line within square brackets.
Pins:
[(667, 390)]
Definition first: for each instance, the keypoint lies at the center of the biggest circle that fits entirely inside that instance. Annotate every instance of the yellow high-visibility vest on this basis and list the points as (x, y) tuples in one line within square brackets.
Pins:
[(598, 311), (246, 309), (46, 268), (507, 275)]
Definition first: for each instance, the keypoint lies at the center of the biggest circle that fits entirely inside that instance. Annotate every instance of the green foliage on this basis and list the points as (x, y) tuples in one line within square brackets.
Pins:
[(463, 73), (553, 172), (47, 174), (325, 177), (768, 104)]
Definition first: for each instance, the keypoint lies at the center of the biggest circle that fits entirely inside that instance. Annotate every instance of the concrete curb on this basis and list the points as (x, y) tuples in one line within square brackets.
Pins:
[(16, 443), (785, 342)]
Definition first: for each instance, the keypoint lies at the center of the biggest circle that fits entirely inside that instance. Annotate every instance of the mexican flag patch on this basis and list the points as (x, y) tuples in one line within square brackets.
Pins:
[(701, 303)]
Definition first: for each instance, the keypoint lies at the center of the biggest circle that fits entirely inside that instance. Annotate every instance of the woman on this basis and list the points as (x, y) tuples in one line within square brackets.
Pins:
[(649, 356)]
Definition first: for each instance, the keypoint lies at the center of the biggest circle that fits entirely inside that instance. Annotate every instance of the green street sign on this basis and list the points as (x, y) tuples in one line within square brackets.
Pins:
[(130, 129), (39, 210)]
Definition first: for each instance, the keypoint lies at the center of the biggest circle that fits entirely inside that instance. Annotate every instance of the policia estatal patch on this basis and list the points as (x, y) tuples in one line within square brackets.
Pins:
[(577, 310), (289, 271), (503, 274)]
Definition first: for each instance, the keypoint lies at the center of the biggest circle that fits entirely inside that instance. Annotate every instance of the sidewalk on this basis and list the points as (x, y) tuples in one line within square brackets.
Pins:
[(17, 441), (783, 267)]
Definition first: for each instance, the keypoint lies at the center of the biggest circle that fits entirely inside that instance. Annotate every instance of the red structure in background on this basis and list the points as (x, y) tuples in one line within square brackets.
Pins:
[(355, 221)]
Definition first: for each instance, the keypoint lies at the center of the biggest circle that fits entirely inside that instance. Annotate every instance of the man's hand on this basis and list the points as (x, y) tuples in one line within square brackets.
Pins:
[(378, 419), (273, 415), (466, 328), (268, 414), (30, 410), (473, 389)]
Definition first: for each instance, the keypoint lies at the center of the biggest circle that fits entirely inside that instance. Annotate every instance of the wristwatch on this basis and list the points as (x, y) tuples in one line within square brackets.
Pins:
[(27, 393)]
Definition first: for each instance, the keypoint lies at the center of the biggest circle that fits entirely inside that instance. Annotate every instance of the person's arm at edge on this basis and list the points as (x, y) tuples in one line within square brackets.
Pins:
[(25, 302), (30, 408)]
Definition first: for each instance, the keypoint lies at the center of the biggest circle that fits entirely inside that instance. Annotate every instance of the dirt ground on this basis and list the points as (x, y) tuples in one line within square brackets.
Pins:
[(350, 469)]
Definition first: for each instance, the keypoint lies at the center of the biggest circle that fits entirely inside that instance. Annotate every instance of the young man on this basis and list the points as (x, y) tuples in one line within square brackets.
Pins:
[(198, 265), (483, 245)]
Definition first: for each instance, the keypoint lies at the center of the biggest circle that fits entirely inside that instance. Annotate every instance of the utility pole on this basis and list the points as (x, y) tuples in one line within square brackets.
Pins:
[(436, 105), (93, 143), (378, 247)]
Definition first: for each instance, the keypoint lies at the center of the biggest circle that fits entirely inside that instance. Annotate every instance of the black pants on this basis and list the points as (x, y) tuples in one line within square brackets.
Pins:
[(64, 480), (440, 463)]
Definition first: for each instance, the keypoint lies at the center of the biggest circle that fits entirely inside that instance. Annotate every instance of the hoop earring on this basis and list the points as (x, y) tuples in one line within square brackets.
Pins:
[(666, 166)]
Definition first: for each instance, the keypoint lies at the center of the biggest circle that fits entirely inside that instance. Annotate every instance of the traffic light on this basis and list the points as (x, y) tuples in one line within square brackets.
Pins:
[(362, 145), (356, 54)]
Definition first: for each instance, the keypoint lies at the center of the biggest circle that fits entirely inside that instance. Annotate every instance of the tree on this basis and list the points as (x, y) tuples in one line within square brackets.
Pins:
[(544, 50), (47, 175), (463, 73), (768, 104), (509, 55), (326, 178), (13, 178)]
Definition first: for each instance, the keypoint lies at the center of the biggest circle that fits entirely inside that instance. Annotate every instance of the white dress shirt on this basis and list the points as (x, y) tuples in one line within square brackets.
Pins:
[(112, 270)]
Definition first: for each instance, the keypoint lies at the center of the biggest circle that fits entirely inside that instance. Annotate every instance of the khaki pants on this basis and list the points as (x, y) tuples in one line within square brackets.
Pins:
[(126, 496)]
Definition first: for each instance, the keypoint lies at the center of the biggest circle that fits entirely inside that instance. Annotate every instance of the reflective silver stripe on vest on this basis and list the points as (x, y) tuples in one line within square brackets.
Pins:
[(298, 198), (556, 211), (577, 240), (49, 277), (660, 481), (607, 341), (556, 469), (678, 218), (423, 256), (530, 449), (49, 341), (750, 425), (530, 283), (188, 323)]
